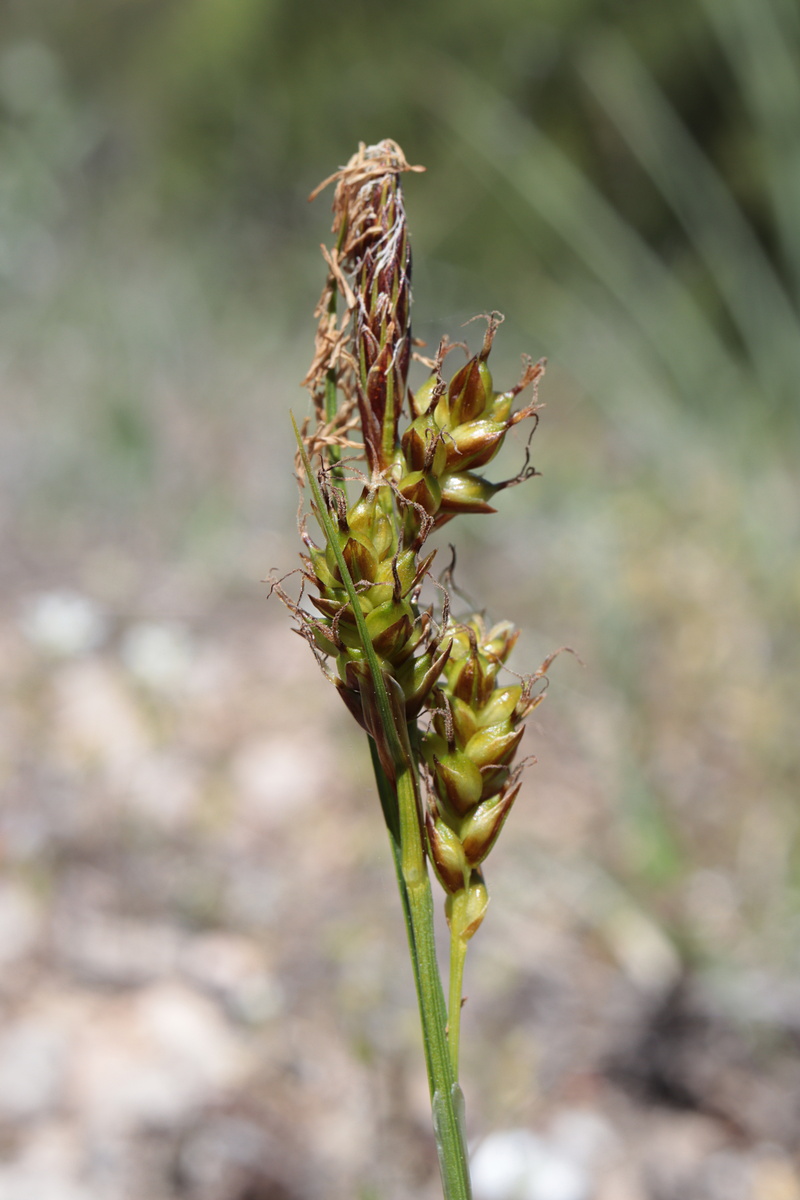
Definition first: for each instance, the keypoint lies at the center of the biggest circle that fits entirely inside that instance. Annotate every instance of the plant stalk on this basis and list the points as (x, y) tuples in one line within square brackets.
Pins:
[(458, 955), (417, 902)]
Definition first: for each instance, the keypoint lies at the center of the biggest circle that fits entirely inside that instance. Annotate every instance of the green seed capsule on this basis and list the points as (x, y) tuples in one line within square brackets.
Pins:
[(467, 493), (464, 680), (501, 407), (383, 538), (458, 781), (466, 394), (418, 678), (494, 746), (481, 829), (349, 637), (474, 444), (337, 609), (477, 903), (351, 664), (317, 563), (415, 445), (323, 638), (500, 707), (472, 680), (465, 723), (488, 681), (434, 747), (494, 780), (360, 556), (422, 489), (363, 546), (487, 382), (447, 855), (441, 413), (363, 516), (423, 448), (461, 643), (368, 519), (389, 627), (403, 566), (423, 398)]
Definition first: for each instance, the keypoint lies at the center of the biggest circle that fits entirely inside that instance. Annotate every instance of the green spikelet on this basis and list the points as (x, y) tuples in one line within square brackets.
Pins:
[(386, 579), (458, 427), (471, 744)]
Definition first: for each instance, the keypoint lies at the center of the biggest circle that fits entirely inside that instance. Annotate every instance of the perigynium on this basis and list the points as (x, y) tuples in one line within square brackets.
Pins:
[(443, 719)]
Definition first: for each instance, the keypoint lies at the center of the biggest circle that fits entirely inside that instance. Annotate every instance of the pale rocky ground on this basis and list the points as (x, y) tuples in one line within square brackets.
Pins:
[(204, 990)]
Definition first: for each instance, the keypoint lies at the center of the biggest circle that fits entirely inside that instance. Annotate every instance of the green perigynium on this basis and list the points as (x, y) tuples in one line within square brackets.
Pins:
[(457, 427), (427, 688)]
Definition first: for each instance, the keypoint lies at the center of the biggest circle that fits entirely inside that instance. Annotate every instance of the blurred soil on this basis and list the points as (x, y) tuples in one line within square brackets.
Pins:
[(204, 990)]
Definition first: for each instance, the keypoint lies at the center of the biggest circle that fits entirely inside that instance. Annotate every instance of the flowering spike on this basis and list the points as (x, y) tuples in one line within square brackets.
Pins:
[(395, 659), (378, 254)]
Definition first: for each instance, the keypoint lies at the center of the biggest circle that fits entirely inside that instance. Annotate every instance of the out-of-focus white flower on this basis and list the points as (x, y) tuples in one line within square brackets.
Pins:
[(158, 654), (515, 1164), (63, 622)]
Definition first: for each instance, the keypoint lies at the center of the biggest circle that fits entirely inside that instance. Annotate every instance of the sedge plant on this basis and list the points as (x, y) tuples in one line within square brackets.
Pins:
[(443, 720)]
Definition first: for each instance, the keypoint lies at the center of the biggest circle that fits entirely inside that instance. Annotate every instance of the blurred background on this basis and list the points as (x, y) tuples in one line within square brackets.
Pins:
[(204, 989)]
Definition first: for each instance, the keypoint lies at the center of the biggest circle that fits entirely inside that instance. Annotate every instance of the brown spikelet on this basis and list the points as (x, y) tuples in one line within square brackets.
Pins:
[(371, 269)]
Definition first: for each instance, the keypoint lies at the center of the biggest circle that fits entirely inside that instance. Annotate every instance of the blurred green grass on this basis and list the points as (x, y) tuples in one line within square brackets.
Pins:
[(621, 182)]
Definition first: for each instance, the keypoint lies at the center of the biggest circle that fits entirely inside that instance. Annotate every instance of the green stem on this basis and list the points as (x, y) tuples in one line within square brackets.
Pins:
[(458, 955), (389, 806), (417, 903), (441, 1079)]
